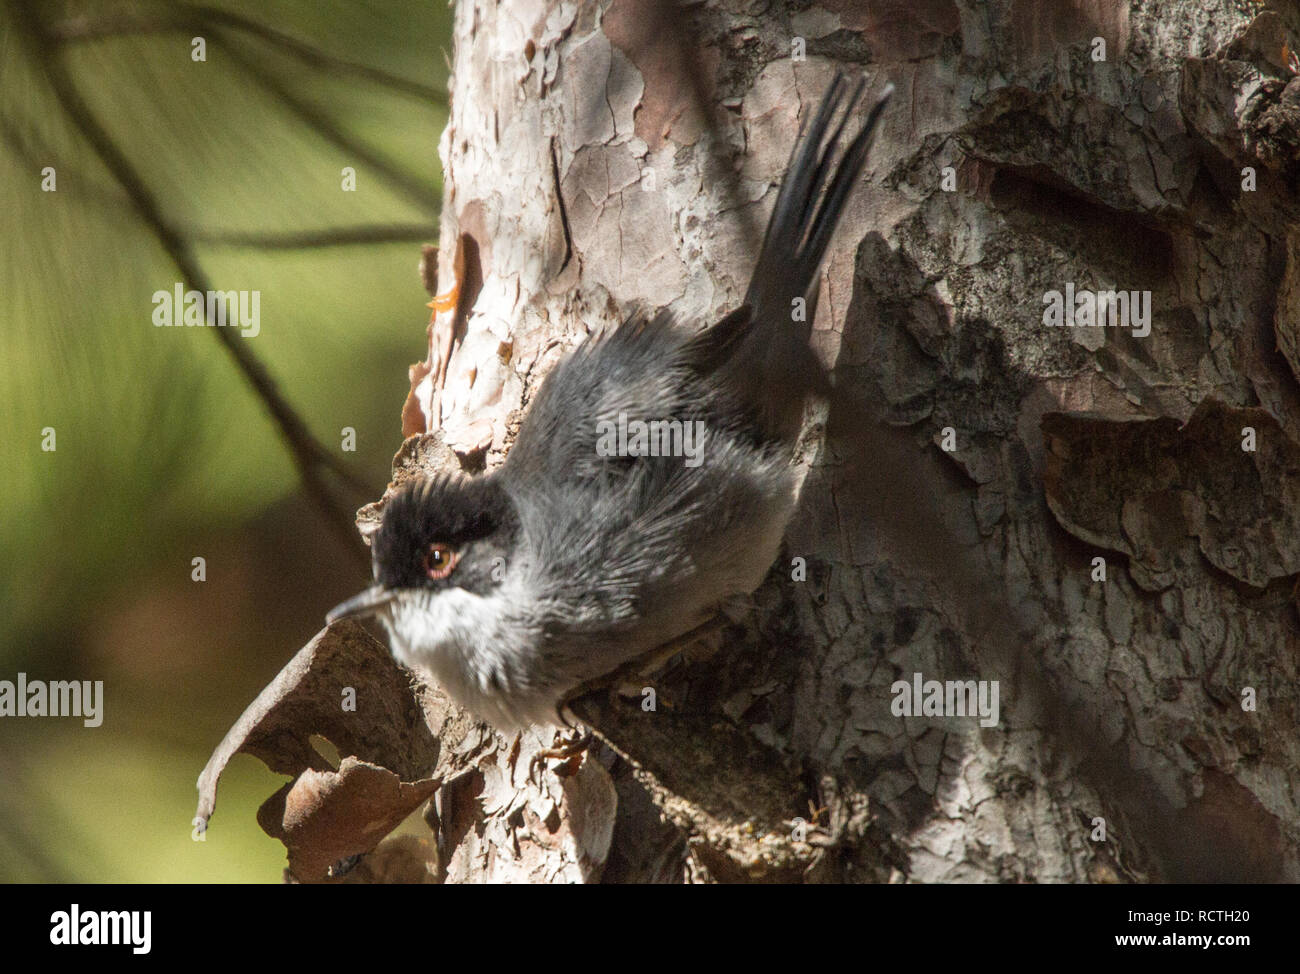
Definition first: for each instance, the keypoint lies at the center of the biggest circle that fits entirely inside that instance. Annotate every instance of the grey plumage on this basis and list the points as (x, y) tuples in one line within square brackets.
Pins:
[(573, 561)]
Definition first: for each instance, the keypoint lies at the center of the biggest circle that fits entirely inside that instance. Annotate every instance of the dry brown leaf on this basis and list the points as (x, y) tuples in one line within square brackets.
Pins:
[(389, 748)]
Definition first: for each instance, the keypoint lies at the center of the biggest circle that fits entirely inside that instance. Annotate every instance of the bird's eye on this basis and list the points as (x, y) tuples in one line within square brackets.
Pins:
[(439, 561)]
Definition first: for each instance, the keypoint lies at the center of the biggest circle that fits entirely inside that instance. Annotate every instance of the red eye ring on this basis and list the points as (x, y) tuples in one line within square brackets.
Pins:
[(440, 560)]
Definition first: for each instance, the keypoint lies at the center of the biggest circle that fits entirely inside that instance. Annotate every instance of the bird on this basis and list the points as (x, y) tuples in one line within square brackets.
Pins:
[(650, 481)]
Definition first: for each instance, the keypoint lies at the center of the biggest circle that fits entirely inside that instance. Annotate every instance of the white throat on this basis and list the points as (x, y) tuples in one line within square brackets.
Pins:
[(477, 649)]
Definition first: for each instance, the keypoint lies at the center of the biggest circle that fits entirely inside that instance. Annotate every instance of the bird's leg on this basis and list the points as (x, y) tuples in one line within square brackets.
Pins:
[(566, 745), (580, 737), (645, 663)]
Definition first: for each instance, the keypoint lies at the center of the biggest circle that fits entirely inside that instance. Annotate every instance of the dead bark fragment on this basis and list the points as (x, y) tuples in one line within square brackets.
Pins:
[(345, 687), (325, 818)]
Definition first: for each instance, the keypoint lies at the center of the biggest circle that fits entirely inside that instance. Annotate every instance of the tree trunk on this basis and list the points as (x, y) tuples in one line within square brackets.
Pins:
[(1100, 521), (1103, 144)]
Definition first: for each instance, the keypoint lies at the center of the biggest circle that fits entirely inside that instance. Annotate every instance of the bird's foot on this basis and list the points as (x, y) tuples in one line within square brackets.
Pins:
[(567, 747)]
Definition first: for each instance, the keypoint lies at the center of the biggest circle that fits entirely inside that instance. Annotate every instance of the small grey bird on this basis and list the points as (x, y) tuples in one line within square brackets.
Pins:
[(650, 480)]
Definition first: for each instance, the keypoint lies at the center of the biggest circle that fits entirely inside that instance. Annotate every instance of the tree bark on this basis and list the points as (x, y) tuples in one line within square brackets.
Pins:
[(580, 162), (1077, 513)]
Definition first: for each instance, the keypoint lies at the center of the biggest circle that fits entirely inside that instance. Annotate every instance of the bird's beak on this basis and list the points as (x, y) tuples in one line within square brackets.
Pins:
[(367, 603)]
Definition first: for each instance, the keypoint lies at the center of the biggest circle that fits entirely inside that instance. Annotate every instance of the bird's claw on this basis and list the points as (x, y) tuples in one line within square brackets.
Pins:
[(565, 747)]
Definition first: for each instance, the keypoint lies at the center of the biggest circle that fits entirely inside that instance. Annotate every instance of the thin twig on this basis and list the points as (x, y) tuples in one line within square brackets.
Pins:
[(309, 239), (113, 23), (37, 154), (308, 453), (88, 27), (317, 58), (415, 190), (31, 150)]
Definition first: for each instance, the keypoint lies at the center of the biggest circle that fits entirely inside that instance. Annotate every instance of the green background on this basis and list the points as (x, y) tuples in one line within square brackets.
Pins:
[(163, 452)]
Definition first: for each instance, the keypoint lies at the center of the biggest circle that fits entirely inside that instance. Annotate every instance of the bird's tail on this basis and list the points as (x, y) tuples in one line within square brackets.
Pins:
[(762, 350), (800, 230)]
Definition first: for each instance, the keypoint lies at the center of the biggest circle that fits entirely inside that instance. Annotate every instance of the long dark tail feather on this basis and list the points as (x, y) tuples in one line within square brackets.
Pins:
[(799, 231), (761, 350)]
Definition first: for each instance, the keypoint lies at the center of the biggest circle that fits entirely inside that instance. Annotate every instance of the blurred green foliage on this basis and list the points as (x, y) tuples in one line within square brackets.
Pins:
[(163, 451)]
